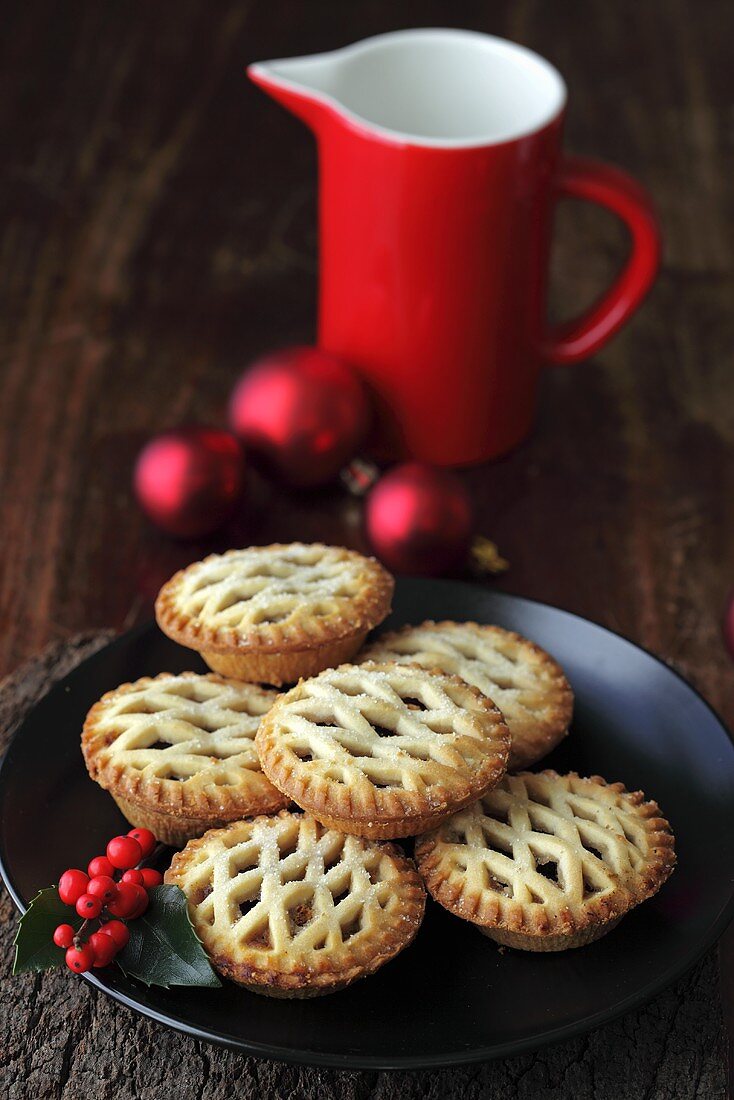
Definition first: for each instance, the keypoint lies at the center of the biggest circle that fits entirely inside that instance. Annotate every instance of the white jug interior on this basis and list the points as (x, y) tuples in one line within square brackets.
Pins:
[(432, 87)]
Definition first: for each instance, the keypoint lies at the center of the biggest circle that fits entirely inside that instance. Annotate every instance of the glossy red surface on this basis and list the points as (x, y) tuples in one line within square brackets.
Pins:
[(301, 414), (433, 274), (419, 519), (189, 480)]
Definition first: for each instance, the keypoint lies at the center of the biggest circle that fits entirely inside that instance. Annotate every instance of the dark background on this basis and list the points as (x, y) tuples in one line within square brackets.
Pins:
[(157, 231)]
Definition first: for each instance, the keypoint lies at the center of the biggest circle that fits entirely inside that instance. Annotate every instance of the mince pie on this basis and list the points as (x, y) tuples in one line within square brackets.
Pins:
[(544, 861), (177, 753), (272, 614), (383, 750), (290, 908)]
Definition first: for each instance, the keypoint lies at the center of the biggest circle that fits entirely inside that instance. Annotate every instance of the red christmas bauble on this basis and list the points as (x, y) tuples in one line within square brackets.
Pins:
[(302, 413), (419, 519), (188, 481)]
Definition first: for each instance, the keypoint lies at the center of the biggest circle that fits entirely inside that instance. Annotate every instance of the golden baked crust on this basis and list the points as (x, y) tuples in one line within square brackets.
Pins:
[(178, 752), (274, 613), (546, 861), (383, 750), (523, 680), (289, 908)]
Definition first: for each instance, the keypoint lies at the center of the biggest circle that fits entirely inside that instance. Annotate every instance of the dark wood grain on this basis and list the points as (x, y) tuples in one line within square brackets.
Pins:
[(157, 231)]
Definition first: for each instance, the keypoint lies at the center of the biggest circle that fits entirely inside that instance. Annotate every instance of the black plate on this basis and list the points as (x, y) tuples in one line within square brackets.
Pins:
[(451, 997)]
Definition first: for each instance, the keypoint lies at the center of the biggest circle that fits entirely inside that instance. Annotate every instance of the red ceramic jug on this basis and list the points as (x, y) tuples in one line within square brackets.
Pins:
[(440, 163)]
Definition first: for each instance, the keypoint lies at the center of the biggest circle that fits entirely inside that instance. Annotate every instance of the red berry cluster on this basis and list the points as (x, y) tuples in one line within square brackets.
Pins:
[(97, 891)]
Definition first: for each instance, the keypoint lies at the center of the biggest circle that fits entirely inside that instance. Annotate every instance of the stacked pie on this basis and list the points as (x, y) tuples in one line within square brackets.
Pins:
[(383, 750), (177, 753), (287, 805), (272, 614)]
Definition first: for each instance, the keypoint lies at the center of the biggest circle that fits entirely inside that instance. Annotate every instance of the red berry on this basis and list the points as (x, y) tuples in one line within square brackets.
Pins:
[(103, 947), (151, 878), (124, 852), (64, 935), (100, 865), (145, 839), (88, 906), (133, 876), (80, 958), (143, 903), (72, 885), (127, 900), (118, 931), (102, 887)]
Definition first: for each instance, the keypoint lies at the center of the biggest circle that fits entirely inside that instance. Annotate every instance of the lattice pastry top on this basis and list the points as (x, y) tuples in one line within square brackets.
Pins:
[(290, 908), (547, 861), (182, 745), (383, 750), (280, 597), (526, 683)]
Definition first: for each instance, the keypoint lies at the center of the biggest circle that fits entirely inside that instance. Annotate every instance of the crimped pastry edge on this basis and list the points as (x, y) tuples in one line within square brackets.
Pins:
[(284, 668), (368, 609), (503, 918), (336, 808), (391, 828), (153, 796), (309, 982), (560, 942), (551, 729)]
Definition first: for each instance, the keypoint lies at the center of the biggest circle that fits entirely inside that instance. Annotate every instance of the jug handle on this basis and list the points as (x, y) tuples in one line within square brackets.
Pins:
[(614, 189)]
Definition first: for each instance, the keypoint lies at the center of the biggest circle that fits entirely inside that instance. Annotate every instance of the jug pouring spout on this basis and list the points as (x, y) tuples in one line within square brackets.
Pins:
[(293, 82)]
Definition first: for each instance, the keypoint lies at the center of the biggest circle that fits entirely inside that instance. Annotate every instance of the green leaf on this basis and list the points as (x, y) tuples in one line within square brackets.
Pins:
[(163, 948), (34, 945)]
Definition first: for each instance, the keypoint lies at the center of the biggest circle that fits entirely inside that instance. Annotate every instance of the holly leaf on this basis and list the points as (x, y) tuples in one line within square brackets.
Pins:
[(163, 948), (34, 945)]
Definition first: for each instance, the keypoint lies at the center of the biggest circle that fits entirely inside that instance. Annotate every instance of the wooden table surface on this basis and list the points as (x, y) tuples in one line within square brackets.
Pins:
[(158, 232)]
